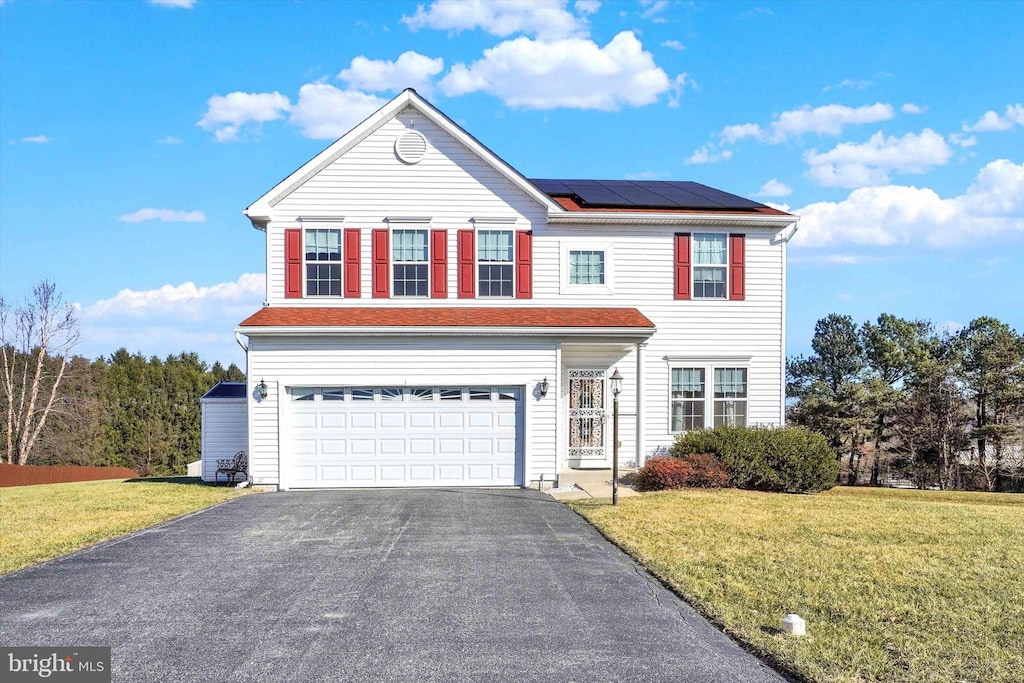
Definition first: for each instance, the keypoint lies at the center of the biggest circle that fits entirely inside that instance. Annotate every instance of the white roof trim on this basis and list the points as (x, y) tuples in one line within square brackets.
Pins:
[(260, 210), (628, 218)]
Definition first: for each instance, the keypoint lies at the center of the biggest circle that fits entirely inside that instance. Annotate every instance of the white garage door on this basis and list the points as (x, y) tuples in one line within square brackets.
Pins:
[(404, 436)]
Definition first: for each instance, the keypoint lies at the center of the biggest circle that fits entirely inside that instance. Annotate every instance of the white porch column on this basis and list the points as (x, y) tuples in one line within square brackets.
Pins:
[(640, 403)]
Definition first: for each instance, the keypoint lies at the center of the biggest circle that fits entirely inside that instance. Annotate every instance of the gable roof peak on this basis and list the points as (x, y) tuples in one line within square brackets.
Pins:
[(259, 212)]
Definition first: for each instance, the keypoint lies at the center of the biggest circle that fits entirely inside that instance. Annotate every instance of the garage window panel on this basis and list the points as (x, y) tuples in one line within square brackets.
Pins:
[(391, 394), (333, 394), (421, 394), (303, 394), (362, 394), (479, 394), (451, 394)]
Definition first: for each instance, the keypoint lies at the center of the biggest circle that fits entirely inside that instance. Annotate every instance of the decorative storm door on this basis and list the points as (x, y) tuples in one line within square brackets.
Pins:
[(586, 414)]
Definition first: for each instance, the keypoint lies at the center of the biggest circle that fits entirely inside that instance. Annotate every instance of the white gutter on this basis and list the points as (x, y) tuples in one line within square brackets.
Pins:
[(628, 218), (238, 338)]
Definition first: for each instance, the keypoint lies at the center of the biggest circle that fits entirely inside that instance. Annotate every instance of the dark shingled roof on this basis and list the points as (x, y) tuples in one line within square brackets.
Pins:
[(226, 390), (665, 195)]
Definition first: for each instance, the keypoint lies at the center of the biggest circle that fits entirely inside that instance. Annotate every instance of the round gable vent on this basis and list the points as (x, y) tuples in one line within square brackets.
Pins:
[(411, 146)]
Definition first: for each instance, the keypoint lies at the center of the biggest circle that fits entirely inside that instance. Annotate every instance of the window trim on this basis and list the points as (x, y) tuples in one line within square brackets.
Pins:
[(323, 225), (567, 287), (494, 227), (709, 365), (410, 226), (724, 266)]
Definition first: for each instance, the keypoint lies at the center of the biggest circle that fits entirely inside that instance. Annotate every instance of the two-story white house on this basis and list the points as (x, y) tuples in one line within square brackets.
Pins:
[(434, 318)]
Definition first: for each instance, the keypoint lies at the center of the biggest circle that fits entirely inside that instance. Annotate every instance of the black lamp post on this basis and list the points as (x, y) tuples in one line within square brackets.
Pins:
[(616, 381)]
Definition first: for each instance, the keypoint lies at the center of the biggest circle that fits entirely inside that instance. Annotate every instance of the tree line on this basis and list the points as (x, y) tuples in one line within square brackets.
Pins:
[(899, 400), (58, 408)]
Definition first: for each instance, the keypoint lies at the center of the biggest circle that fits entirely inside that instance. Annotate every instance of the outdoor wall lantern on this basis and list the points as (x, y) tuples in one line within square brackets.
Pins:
[(616, 382), (544, 387), (262, 388)]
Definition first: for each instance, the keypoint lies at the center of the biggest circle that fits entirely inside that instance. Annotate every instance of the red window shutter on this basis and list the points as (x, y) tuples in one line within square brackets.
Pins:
[(293, 263), (524, 264), (737, 268), (353, 287), (467, 264), (682, 265), (381, 264), (439, 264)]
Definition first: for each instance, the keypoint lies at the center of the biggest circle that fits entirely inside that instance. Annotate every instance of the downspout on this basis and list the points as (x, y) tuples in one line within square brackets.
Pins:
[(238, 338), (248, 406), (640, 451), (782, 331)]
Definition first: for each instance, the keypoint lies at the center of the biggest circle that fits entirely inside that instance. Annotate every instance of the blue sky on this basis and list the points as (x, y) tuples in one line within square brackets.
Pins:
[(132, 134)]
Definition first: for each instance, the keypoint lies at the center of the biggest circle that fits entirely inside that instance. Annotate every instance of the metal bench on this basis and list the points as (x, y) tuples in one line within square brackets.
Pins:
[(232, 466)]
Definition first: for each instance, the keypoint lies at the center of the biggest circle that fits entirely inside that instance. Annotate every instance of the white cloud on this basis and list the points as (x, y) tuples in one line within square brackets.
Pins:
[(164, 216), (169, 140), (410, 70), (848, 83), (736, 132), (897, 214), (226, 114), (587, 7), (991, 121), (853, 165), (708, 154), (963, 140), (545, 19), (187, 300), (645, 175), (673, 45), (37, 139), (326, 112), (652, 8), (911, 108), (757, 12), (183, 4), (574, 73), (174, 318), (774, 188), (824, 259), (829, 119)]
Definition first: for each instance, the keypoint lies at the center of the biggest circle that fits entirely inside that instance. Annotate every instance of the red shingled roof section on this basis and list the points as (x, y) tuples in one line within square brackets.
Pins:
[(463, 316), (570, 204)]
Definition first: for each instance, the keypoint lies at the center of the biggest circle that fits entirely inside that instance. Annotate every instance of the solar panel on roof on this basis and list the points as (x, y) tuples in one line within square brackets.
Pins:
[(678, 194)]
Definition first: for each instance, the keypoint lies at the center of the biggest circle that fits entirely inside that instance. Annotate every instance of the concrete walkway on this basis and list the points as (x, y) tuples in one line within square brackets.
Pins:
[(590, 484)]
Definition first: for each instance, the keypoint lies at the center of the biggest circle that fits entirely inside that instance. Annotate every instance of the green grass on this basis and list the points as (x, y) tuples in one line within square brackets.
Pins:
[(41, 522), (894, 585)]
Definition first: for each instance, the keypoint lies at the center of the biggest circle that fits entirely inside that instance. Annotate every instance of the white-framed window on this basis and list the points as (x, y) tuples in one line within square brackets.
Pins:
[(586, 267), (322, 257), (410, 262), (731, 396), (688, 398), (495, 261), (705, 394), (709, 265)]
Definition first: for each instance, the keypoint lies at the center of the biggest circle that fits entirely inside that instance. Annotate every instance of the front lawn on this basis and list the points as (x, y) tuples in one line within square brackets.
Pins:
[(41, 522), (894, 585)]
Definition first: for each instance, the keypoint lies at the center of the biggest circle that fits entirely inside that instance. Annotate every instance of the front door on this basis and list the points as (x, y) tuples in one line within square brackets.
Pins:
[(586, 416)]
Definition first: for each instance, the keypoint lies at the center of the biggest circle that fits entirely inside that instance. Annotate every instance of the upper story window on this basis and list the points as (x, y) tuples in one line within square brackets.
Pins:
[(409, 257), (323, 262), (586, 267), (709, 264), (495, 259)]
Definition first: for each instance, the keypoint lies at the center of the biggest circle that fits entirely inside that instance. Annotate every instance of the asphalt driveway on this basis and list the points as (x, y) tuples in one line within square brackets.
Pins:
[(417, 585)]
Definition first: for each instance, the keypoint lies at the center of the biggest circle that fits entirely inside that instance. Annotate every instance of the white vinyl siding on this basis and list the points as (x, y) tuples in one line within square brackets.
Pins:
[(224, 431), (368, 367)]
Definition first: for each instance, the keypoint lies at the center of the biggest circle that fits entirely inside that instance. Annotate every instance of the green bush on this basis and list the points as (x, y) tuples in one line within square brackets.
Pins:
[(790, 459)]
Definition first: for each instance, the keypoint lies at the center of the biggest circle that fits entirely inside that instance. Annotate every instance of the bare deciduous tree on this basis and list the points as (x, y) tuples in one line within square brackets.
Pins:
[(36, 341)]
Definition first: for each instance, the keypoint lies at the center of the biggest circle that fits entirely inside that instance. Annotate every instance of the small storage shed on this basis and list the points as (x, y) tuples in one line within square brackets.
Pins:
[(225, 425)]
